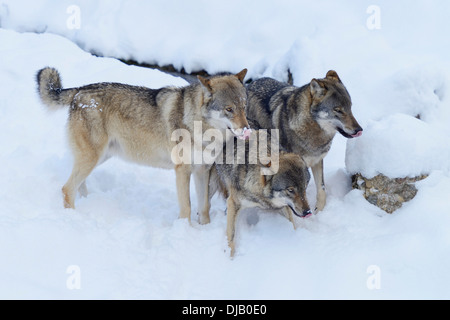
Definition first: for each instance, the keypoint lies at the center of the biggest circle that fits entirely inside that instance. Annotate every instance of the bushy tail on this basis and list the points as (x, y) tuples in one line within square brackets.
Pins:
[(50, 89)]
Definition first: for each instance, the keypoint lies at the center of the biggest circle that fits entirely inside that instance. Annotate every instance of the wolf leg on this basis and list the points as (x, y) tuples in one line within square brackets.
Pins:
[(83, 189), (88, 147), (232, 212), (82, 167), (321, 197), (202, 177), (183, 177)]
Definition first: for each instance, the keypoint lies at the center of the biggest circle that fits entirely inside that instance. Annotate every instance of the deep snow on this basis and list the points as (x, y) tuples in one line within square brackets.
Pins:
[(125, 238)]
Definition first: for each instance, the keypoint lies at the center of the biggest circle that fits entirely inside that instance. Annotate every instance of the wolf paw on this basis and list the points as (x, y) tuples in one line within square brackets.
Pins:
[(203, 219)]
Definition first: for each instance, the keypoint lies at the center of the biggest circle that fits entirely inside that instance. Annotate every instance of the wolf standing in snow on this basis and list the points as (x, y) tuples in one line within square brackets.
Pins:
[(252, 181), (137, 123), (307, 117)]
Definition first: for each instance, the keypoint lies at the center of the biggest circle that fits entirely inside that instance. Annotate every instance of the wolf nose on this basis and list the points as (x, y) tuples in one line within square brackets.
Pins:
[(306, 213), (246, 132), (358, 133)]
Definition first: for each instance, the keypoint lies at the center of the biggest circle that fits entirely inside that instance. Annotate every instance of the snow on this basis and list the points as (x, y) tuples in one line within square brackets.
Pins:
[(124, 240), (415, 148)]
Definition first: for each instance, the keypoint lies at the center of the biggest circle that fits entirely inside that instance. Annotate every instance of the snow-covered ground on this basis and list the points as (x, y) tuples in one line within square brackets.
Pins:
[(124, 240)]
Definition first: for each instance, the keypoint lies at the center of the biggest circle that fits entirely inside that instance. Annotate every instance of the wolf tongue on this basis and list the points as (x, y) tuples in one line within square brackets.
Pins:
[(246, 134)]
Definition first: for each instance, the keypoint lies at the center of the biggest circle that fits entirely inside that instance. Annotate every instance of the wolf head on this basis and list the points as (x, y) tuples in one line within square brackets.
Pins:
[(225, 101), (331, 106), (289, 184)]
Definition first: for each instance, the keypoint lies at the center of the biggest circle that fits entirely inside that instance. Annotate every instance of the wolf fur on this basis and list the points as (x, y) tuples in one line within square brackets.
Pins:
[(308, 118), (136, 123), (246, 183)]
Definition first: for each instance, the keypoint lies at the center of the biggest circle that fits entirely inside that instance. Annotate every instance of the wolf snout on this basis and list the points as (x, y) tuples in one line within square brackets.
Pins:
[(242, 133), (358, 133), (305, 213)]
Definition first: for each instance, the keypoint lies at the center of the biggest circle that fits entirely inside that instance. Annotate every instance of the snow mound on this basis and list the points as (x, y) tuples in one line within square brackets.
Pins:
[(399, 145)]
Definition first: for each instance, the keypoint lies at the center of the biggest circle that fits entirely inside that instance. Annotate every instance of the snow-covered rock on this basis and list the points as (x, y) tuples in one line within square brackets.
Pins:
[(398, 146), (391, 155)]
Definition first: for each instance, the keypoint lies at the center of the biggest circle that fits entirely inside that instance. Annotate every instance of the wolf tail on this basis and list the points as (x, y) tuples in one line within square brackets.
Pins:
[(50, 89)]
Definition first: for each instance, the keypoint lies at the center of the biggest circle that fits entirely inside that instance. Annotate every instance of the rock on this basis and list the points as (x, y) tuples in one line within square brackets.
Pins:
[(386, 193)]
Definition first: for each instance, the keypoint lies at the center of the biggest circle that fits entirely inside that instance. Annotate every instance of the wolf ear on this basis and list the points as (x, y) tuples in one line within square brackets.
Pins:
[(332, 75), (317, 88), (241, 75), (206, 84)]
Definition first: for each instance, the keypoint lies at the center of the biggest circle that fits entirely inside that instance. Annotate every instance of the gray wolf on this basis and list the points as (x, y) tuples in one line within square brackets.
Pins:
[(136, 123), (308, 118), (247, 184)]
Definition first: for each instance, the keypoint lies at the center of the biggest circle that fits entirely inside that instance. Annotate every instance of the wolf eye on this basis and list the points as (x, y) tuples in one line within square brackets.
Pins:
[(290, 189), (338, 110), (229, 109)]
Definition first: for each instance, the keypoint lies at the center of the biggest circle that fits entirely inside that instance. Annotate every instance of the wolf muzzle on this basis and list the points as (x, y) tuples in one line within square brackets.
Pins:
[(305, 214), (356, 133), (243, 133)]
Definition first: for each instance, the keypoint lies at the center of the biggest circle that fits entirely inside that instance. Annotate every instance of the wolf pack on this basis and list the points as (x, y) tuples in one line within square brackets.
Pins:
[(138, 124)]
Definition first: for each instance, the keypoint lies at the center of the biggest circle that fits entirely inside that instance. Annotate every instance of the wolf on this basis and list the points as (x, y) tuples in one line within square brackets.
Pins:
[(308, 118), (136, 123), (246, 183)]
